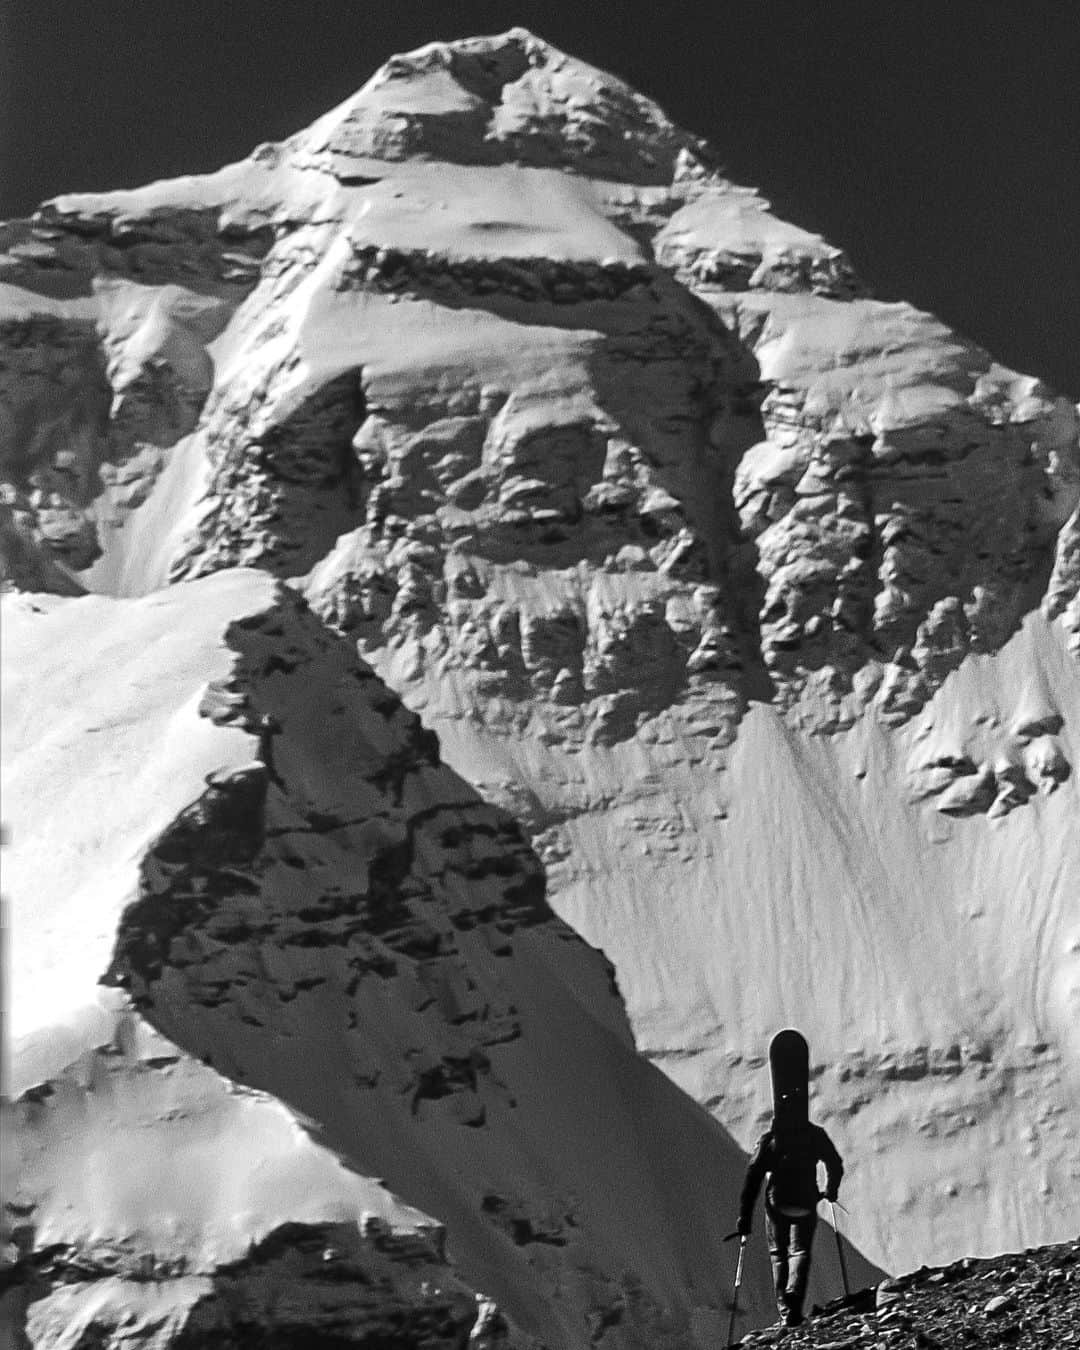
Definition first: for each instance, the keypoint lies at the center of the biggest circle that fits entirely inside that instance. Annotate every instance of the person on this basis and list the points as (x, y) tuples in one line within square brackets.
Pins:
[(789, 1153)]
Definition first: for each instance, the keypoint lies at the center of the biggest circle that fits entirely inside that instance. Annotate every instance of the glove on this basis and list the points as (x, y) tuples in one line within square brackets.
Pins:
[(743, 1227), (831, 1195)]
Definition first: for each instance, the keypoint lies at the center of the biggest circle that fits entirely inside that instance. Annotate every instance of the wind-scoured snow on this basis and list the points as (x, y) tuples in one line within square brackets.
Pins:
[(744, 607)]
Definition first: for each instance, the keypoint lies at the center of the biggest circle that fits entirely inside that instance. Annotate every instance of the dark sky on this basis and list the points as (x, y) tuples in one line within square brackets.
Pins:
[(937, 140)]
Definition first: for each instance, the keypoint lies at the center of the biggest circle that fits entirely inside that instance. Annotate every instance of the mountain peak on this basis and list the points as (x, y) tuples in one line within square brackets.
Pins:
[(507, 97)]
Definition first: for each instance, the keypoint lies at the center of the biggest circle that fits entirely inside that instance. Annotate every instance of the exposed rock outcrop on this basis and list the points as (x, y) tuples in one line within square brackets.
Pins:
[(104, 368), (1027, 1298)]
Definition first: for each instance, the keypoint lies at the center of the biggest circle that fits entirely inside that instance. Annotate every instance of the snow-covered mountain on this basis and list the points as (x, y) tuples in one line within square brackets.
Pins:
[(745, 612)]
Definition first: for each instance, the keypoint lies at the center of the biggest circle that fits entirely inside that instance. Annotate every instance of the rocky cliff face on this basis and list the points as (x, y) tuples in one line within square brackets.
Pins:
[(744, 607)]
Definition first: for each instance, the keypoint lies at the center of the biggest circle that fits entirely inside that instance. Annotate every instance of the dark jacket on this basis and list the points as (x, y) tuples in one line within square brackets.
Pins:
[(790, 1158)]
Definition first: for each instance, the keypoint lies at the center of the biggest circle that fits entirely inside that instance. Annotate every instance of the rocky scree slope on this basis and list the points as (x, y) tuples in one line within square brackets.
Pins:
[(751, 598), (1029, 1299)]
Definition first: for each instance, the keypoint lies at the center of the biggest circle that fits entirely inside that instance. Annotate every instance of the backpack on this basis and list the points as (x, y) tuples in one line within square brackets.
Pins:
[(793, 1171)]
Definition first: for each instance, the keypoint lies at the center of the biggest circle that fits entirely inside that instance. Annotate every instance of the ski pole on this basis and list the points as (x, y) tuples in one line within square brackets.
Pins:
[(839, 1250), (735, 1295)]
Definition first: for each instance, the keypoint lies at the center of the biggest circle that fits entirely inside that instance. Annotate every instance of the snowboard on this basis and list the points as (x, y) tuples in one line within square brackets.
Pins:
[(789, 1069)]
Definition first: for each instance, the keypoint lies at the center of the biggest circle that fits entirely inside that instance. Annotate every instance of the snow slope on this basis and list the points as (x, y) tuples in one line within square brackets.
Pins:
[(751, 600), (932, 950)]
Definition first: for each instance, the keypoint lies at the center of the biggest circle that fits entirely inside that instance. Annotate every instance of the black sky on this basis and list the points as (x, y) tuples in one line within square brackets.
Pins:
[(937, 140)]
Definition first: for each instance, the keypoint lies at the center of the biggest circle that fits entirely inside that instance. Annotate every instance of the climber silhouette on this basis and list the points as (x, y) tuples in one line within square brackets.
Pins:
[(788, 1153)]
